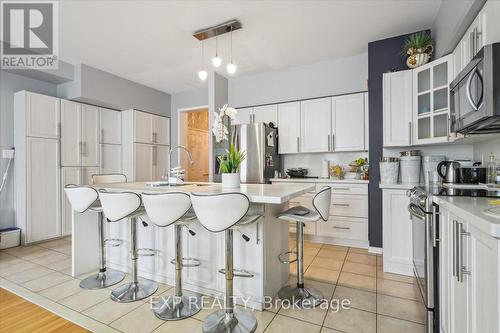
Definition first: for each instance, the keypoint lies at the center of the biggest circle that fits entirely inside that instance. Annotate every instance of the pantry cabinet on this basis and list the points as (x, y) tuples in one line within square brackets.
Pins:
[(398, 108), (289, 128), (151, 128), (110, 158), (110, 122), (349, 122), (315, 126), (41, 115)]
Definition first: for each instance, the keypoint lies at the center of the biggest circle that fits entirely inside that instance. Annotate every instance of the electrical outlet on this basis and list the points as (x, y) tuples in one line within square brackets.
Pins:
[(8, 153)]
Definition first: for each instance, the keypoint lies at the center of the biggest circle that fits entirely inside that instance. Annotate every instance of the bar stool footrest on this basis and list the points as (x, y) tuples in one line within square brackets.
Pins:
[(282, 256), (146, 252), (188, 262), (238, 273), (114, 242)]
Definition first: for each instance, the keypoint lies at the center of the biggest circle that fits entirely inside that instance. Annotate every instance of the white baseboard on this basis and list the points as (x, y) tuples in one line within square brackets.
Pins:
[(376, 250)]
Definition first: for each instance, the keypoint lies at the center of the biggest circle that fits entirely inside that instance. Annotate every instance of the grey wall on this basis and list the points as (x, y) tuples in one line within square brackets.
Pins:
[(184, 100), (9, 84), (331, 77), (218, 95), (94, 86), (452, 20)]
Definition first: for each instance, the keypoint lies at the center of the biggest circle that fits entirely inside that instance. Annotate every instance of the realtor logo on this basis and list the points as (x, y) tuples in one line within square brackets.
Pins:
[(29, 34)]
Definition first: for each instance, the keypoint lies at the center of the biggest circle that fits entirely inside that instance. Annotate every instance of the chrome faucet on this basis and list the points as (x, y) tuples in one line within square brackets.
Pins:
[(190, 158)]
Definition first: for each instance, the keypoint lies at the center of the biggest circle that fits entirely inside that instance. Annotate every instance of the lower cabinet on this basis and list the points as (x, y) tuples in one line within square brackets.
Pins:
[(150, 162), (469, 277), (111, 158)]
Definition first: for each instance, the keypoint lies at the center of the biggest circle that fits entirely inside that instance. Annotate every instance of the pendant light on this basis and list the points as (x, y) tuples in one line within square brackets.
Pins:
[(216, 61), (202, 73), (231, 67)]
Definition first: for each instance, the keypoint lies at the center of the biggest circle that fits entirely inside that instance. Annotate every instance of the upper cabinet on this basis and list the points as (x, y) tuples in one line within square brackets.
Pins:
[(289, 128), (315, 127), (398, 108), (349, 122), (41, 114), (111, 126), (257, 114), (90, 136), (431, 116), (150, 128)]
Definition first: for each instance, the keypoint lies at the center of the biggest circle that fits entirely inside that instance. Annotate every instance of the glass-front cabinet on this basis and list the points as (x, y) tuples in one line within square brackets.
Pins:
[(431, 116)]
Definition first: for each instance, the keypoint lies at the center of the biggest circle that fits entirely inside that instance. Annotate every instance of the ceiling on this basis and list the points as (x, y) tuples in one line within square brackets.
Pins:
[(150, 42)]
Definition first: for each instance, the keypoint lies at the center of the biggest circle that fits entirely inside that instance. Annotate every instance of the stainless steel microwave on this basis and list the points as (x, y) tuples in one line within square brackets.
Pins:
[(475, 94)]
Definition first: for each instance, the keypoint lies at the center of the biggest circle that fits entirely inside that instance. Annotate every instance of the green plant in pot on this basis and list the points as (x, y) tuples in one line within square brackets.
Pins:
[(231, 162), (418, 47)]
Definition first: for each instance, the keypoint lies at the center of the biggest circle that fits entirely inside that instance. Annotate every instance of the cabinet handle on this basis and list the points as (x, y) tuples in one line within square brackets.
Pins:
[(478, 34), (154, 156), (58, 130), (257, 234), (471, 44), (333, 142), (340, 189), (80, 148), (329, 142), (102, 159), (341, 205), (102, 135), (461, 269), (298, 144), (342, 228), (455, 244), (448, 121), (409, 133), (435, 215)]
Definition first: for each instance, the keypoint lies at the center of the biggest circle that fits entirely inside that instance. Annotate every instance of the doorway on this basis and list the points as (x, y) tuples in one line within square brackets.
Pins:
[(194, 134)]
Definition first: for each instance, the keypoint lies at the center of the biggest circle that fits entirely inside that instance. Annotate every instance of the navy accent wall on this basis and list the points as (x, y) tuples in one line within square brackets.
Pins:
[(383, 56)]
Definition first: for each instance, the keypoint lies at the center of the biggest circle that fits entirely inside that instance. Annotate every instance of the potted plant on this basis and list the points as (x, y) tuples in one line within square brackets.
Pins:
[(231, 162), (419, 47)]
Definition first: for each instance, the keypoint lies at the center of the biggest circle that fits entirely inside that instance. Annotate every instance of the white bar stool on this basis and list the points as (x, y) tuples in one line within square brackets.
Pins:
[(118, 206), (299, 294), (83, 198), (167, 209), (217, 213)]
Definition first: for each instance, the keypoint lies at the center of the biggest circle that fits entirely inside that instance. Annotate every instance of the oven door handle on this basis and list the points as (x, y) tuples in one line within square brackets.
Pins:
[(416, 211)]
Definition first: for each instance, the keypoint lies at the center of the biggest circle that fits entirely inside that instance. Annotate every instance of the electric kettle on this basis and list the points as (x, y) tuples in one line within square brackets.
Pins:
[(451, 174)]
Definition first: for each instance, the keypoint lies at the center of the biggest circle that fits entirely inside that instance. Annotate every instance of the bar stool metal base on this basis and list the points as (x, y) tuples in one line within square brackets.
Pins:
[(132, 292), (237, 322), (102, 280), (177, 307), (302, 297)]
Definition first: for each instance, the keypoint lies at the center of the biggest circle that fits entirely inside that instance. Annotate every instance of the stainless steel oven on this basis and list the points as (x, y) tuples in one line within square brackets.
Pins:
[(424, 219)]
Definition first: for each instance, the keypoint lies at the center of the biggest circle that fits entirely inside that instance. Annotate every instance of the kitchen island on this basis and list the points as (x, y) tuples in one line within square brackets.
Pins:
[(259, 256)]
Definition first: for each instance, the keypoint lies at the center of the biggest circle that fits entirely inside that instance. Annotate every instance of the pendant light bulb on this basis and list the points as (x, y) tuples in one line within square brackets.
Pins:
[(231, 68), (216, 61), (203, 75)]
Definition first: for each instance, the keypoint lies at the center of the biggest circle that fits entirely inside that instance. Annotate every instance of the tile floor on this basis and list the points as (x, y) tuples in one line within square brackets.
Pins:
[(380, 302)]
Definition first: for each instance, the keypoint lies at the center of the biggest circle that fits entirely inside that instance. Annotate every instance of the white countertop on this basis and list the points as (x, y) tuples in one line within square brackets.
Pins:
[(397, 186), (258, 193), (471, 209), (319, 180)]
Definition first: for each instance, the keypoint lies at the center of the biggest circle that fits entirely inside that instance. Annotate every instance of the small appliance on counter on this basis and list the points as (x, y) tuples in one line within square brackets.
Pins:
[(461, 172), (298, 173), (409, 162)]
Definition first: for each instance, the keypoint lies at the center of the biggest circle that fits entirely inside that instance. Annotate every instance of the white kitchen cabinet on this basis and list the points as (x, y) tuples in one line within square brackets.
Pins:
[(266, 114), (244, 116), (71, 136), (289, 128), (431, 115), (111, 158), (161, 161), (144, 162), (161, 130), (110, 122), (315, 125), (43, 205), (342, 227), (398, 108), (348, 122), (90, 135), (397, 232), (151, 128), (42, 115)]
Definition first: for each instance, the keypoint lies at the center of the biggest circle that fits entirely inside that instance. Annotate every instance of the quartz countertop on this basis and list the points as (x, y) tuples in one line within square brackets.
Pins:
[(471, 209), (397, 186), (319, 180), (257, 193)]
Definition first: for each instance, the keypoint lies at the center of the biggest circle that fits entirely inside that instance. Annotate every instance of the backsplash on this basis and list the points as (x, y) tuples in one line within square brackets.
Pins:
[(455, 151), (314, 161), (482, 150)]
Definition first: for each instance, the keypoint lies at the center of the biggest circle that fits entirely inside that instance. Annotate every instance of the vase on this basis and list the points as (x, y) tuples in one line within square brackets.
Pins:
[(417, 60), (231, 180)]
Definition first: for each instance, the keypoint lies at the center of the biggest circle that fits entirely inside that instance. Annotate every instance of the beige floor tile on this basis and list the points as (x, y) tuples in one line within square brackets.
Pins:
[(322, 274), (335, 247), (109, 310), (209, 305), (29, 274), (359, 299), (314, 315), (60, 265), (311, 252), (394, 277), (263, 319), (329, 330), (401, 308), (62, 290), (360, 251), (33, 256), (328, 263), (281, 324), (361, 258), (393, 325), (332, 254), (85, 299), (65, 249), (352, 321), (188, 325), (50, 258), (163, 289), (325, 288), (6, 258), (312, 245), (358, 281), (15, 266), (55, 243), (23, 250), (138, 321), (357, 268), (398, 289), (46, 281), (66, 271)]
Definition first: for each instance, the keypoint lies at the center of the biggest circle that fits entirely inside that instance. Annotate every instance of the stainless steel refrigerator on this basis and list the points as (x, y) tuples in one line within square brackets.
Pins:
[(260, 142)]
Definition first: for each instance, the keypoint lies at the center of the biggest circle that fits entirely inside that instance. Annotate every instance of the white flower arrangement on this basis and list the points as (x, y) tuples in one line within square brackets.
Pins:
[(219, 128)]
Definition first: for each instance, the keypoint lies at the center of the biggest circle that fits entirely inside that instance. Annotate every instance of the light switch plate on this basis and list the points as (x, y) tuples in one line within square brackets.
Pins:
[(8, 153)]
